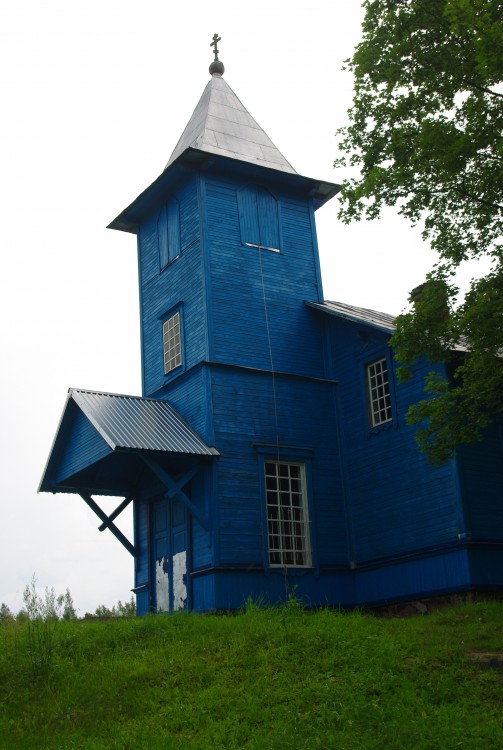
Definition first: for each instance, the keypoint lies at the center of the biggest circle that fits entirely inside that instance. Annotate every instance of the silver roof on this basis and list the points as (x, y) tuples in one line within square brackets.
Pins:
[(374, 318), (221, 125), (357, 314), (131, 422)]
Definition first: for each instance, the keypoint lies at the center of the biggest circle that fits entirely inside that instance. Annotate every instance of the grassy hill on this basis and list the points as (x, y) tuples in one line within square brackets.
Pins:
[(263, 678)]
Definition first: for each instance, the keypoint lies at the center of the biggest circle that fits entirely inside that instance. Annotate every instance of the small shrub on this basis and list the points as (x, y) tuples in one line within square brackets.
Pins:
[(42, 617)]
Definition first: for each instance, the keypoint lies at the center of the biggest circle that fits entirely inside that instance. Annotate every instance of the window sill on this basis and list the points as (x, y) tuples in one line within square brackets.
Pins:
[(263, 247), (385, 427)]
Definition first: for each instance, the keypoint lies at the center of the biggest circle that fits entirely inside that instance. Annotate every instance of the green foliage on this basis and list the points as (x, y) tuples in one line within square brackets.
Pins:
[(102, 612), (264, 678), (42, 617), (426, 135), (6, 616), (65, 602)]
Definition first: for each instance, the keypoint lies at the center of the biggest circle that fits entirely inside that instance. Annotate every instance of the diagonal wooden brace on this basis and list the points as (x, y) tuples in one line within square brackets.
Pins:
[(115, 513), (108, 522), (174, 488)]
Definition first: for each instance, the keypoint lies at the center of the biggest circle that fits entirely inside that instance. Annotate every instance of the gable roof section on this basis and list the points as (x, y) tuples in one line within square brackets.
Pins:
[(94, 426), (221, 125), (373, 318)]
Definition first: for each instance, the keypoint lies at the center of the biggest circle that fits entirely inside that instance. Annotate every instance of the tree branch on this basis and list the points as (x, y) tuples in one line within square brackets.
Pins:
[(472, 197)]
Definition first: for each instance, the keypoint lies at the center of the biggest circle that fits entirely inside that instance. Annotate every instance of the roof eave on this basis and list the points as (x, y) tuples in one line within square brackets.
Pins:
[(193, 159), (351, 318)]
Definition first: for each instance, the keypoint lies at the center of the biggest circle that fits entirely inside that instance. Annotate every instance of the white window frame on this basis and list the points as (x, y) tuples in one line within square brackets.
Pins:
[(378, 392), (288, 536), (172, 342)]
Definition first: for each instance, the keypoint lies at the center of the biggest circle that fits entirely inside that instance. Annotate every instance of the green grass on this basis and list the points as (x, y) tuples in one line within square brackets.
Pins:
[(264, 678)]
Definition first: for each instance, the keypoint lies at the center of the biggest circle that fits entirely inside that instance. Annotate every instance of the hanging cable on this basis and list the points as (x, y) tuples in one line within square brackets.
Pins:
[(266, 315), (270, 351)]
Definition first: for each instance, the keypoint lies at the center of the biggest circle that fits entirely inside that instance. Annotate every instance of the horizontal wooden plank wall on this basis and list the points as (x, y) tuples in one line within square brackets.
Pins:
[(399, 503), (259, 295), (178, 286), (481, 471), (384, 524)]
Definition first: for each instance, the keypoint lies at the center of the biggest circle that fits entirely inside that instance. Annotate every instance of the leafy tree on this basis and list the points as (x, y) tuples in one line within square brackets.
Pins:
[(425, 131), (65, 602), (6, 616)]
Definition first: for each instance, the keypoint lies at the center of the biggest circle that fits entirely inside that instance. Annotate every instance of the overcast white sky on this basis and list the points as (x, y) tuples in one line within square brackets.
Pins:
[(94, 96)]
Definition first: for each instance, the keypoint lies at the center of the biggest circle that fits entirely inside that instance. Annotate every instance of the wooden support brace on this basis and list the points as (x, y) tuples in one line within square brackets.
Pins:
[(174, 488), (108, 523), (116, 513)]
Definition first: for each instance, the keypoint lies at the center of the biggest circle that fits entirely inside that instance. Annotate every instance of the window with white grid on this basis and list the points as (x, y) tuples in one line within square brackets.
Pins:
[(378, 392), (287, 518), (172, 343)]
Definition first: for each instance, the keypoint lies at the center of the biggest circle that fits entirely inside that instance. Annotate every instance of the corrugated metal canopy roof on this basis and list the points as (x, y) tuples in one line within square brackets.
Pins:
[(126, 427), (220, 124), (132, 422)]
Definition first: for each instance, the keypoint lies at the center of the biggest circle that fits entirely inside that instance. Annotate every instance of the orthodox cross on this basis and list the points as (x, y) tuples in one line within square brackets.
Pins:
[(214, 43)]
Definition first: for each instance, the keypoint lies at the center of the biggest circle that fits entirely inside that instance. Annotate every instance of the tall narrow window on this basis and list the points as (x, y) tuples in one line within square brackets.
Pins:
[(168, 232), (258, 218), (172, 343), (378, 392), (287, 518)]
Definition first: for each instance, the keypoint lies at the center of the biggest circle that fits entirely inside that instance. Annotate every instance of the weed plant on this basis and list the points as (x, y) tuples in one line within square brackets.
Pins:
[(264, 678), (42, 616)]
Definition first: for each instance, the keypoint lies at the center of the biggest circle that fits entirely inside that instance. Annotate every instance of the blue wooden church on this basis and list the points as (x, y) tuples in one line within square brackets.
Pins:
[(269, 452)]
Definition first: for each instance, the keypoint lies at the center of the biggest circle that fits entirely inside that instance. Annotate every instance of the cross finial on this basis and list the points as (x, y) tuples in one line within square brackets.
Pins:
[(216, 67), (214, 43)]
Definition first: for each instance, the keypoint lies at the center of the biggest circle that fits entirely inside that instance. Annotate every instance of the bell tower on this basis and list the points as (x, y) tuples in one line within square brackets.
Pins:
[(228, 257)]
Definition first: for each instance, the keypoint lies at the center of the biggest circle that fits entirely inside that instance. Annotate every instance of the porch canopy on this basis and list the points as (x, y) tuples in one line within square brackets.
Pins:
[(124, 446)]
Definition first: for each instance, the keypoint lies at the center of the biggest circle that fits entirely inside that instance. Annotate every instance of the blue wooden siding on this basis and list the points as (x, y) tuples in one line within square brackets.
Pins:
[(384, 524), (438, 573), (142, 560), (245, 404), (178, 285), (486, 566), (481, 472), (83, 447), (258, 217), (241, 277), (168, 231), (398, 503), (190, 395)]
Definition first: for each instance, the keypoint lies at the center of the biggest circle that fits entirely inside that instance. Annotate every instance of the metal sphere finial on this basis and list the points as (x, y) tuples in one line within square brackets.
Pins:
[(216, 67)]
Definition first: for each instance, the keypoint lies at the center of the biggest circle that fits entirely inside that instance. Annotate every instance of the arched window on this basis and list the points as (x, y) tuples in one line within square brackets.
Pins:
[(259, 218)]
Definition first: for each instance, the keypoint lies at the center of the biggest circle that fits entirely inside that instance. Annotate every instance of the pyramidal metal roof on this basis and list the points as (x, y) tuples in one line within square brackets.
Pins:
[(132, 422), (221, 125)]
